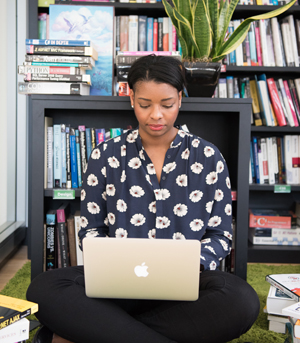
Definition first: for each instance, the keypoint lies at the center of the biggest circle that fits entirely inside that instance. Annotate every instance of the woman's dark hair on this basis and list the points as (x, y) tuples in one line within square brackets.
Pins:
[(160, 69)]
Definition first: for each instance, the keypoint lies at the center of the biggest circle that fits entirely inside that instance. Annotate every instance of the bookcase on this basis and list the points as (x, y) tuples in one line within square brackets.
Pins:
[(232, 131), (224, 122)]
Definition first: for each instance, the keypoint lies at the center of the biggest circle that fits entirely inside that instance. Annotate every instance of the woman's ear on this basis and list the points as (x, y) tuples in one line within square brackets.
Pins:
[(131, 98), (179, 98)]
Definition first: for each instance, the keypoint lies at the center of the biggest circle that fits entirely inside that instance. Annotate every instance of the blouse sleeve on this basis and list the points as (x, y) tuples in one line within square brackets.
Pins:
[(217, 240), (93, 198)]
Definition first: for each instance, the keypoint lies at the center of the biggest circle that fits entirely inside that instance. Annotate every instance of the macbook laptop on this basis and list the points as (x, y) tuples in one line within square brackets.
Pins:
[(141, 268)]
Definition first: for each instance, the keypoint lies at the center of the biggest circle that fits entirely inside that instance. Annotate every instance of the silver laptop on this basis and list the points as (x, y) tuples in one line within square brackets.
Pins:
[(141, 268)]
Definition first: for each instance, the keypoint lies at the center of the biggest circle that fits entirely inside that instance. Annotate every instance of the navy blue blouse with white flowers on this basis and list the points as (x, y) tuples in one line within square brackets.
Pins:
[(121, 196)]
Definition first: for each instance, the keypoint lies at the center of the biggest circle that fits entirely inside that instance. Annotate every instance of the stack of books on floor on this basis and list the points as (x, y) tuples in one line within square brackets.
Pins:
[(274, 227), (57, 67), (283, 305), (14, 326), (124, 60)]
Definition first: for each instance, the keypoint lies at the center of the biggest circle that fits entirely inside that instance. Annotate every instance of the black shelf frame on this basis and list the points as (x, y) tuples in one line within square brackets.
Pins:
[(202, 112)]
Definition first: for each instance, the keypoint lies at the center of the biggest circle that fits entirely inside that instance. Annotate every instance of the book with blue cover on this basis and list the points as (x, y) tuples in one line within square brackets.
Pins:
[(88, 23), (73, 159)]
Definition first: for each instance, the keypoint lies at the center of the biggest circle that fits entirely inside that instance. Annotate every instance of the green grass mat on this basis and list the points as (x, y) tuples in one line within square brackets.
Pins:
[(259, 332)]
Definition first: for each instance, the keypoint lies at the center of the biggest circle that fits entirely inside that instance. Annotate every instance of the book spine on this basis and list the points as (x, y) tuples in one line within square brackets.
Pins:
[(258, 44), (253, 56), (255, 104), (58, 78), (57, 155), (87, 66), (100, 136), (239, 49), (290, 102), (93, 135), (277, 46), (282, 288), (279, 157), (150, 34), (72, 240), (288, 148), (142, 33), (170, 28), (294, 98), (286, 103), (263, 40), (275, 160), (78, 158), (63, 157), (10, 319), (270, 44), (155, 35), (160, 34), (270, 161), (174, 39), (288, 49), (68, 158), (165, 34), (29, 69), (293, 38), (276, 102), (50, 157), (117, 33), (59, 59), (124, 27), (256, 162), (265, 167), (61, 226), (36, 87), (58, 42), (133, 33), (82, 138), (77, 229), (88, 142), (50, 247), (73, 157), (61, 50)]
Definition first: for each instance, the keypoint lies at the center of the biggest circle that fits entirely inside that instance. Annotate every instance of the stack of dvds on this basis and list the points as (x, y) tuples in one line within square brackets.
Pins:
[(57, 67)]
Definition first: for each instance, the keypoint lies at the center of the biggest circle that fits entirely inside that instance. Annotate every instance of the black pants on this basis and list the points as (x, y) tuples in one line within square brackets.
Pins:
[(227, 307)]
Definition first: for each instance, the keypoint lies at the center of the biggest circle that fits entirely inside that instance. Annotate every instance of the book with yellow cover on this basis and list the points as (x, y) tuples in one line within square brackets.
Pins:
[(13, 309)]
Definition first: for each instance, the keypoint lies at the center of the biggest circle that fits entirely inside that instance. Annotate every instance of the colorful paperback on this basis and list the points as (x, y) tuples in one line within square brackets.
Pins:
[(275, 219), (13, 309), (17, 332), (287, 283), (58, 42), (292, 310), (94, 23)]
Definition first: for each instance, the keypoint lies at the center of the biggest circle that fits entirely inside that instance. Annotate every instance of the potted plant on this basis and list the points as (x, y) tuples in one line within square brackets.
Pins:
[(201, 27)]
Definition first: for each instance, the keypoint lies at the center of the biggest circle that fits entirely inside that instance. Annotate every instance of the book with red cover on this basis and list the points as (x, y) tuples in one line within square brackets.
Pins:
[(258, 44), (62, 213), (276, 102), (274, 219), (288, 94), (155, 35)]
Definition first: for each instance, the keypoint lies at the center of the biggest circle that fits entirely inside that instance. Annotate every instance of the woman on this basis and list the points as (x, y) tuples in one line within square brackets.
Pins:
[(156, 181)]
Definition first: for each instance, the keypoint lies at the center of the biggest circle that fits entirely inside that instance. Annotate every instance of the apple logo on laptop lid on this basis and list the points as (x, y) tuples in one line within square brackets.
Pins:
[(141, 270)]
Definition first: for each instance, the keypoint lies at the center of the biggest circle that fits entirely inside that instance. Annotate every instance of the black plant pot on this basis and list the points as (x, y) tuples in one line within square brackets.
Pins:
[(202, 78)]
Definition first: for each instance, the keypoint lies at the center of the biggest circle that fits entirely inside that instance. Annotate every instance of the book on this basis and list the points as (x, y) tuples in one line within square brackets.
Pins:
[(100, 135), (270, 43), (287, 44), (165, 34), (255, 104), (255, 159), (291, 151), (133, 32), (264, 167), (142, 33), (58, 78), (68, 159), (16, 332), (73, 159), (267, 218), (72, 240), (48, 153), (50, 258), (62, 50), (50, 70), (277, 326), (286, 103), (261, 240), (88, 142), (150, 33), (258, 43), (62, 213), (83, 150), (290, 102), (77, 221), (275, 100), (290, 337), (63, 156), (155, 34), (58, 42), (277, 45), (294, 309), (287, 283), (294, 96), (124, 22), (277, 300), (160, 22), (79, 60), (57, 169), (264, 102), (296, 326), (36, 87), (290, 20), (13, 309), (78, 158), (66, 20)]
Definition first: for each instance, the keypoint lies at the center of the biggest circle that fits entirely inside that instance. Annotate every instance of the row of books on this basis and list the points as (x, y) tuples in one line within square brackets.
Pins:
[(57, 69), (67, 150), (275, 160), (274, 227), (61, 243), (268, 43), (143, 33), (264, 2), (282, 305), (275, 102)]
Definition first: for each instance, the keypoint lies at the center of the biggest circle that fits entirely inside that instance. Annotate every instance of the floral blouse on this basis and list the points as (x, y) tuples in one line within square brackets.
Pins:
[(121, 195)]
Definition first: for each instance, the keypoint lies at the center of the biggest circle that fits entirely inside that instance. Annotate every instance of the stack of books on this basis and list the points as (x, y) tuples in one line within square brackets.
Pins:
[(57, 67), (283, 305), (124, 60), (14, 326), (273, 227)]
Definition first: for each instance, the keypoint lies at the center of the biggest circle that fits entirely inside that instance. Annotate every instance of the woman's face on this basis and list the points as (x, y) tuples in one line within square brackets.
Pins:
[(156, 106)]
